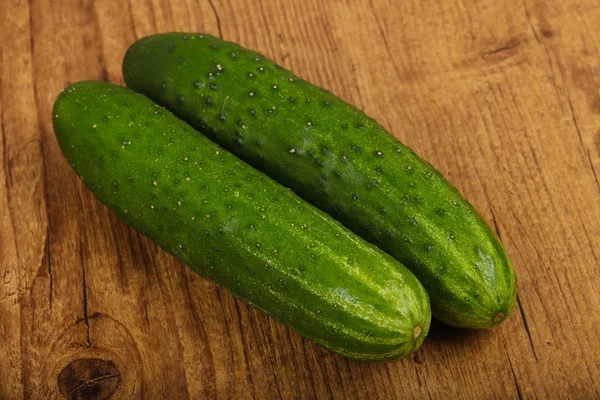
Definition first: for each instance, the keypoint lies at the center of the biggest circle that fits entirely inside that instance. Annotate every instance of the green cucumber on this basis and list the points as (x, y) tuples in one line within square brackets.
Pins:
[(336, 158), (237, 227)]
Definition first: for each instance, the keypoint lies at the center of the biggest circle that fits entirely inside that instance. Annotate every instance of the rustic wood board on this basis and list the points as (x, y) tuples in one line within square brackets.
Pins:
[(503, 97)]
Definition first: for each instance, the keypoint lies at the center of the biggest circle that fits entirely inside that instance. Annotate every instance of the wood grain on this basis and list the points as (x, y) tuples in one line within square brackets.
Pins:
[(503, 97)]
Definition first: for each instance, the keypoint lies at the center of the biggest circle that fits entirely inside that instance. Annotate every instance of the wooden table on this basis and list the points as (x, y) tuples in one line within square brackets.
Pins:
[(503, 97)]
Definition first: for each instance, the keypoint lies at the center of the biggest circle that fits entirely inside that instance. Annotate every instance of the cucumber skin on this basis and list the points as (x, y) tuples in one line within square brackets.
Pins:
[(235, 226), (336, 158)]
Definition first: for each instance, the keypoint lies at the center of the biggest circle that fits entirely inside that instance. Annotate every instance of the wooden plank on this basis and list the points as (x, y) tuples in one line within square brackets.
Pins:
[(502, 97)]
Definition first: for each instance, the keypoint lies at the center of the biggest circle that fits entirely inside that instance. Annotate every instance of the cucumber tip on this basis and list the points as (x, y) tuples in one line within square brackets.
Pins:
[(498, 317), (417, 332)]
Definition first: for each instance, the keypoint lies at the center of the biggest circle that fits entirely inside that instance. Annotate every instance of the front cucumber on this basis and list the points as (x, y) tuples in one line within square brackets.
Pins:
[(237, 227), (336, 158)]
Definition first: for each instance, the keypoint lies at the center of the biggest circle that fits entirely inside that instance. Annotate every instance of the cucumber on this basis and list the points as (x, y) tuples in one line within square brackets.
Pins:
[(336, 158), (237, 227)]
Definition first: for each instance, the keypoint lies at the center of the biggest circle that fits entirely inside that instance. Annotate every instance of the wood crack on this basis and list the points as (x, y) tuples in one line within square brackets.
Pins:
[(48, 222), (49, 269), (526, 325), (496, 228), (487, 198), (589, 157), (7, 166), (85, 303), (31, 39), (431, 397), (146, 313), (7, 162), (360, 97), (91, 382), (32, 141), (528, 18), (520, 306), (210, 2), (494, 221), (42, 151), (509, 46), (512, 370), (573, 114)]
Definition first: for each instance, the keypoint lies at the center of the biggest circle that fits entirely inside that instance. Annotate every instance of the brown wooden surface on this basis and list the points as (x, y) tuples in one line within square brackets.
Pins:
[(503, 97)]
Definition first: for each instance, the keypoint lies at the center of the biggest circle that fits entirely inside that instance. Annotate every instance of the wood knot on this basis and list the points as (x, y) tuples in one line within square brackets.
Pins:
[(89, 378)]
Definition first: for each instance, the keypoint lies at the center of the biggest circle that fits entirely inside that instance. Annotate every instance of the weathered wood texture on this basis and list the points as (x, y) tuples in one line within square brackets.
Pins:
[(502, 96)]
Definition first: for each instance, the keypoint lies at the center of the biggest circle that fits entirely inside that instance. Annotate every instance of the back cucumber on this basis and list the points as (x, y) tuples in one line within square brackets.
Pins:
[(336, 158), (237, 227)]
